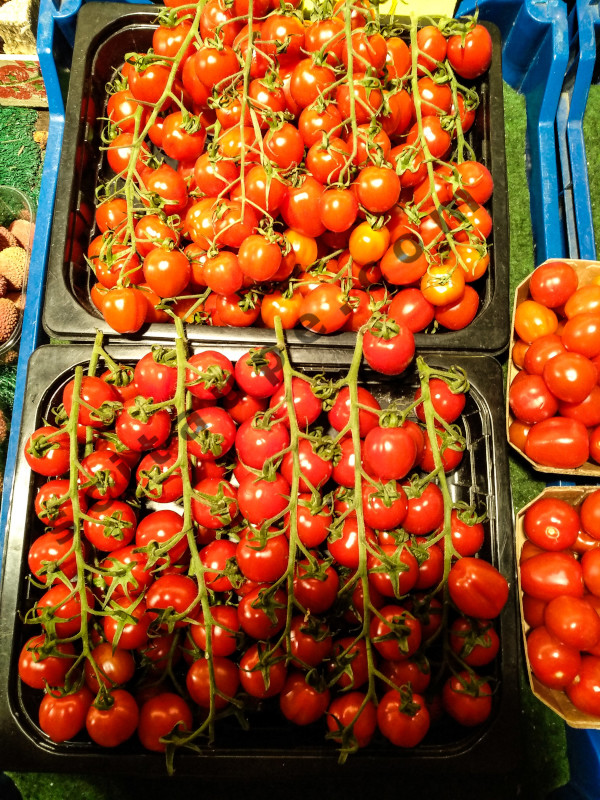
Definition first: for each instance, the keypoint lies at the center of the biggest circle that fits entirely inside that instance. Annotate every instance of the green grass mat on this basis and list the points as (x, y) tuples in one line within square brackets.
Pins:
[(543, 732), (20, 157), (591, 135)]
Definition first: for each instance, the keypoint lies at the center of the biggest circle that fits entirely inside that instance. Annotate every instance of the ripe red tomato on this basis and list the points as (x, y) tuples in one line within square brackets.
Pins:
[(353, 708), (403, 717), (550, 574), (530, 399), (589, 512), (558, 442), (574, 621), (584, 690), (551, 523), (467, 698), (389, 453), (111, 726), (475, 641), (263, 560), (61, 717), (44, 664), (315, 586), (262, 677), (207, 692), (302, 703), (553, 662), (570, 376), (477, 588), (552, 283), (395, 632), (470, 55), (159, 716), (390, 350), (47, 451)]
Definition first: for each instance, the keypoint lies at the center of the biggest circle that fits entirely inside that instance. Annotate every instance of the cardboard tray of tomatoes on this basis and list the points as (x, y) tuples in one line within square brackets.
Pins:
[(106, 32), (287, 751)]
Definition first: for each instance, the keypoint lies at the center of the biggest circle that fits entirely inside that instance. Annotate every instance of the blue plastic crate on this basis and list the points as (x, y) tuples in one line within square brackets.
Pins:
[(587, 27), (535, 57)]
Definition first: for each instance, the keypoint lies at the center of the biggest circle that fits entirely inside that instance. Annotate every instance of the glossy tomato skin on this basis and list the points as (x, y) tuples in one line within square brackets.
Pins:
[(466, 699), (477, 588), (584, 691), (36, 669), (110, 727), (475, 641), (159, 716), (302, 703), (390, 356), (549, 574), (558, 442), (530, 399), (62, 717), (553, 283), (389, 453), (47, 451), (471, 55), (574, 621), (343, 711), (404, 728), (551, 523)]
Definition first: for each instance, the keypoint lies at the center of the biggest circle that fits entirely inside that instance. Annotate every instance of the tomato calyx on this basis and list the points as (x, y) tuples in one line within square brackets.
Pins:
[(120, 376), (218, 505), (392, 566), (151, 482), (43, 443), (398, 631), (416, 485), (473, 636), (207, 441), (267, 602), (114, 525), (383, 327), (211, 377), (325, 446), (387, 492), (468, 514), (407, 704), (471, 684), (393, 417), (164, 355), (141, 61), (169, 18), (142, 409), (457, 27)]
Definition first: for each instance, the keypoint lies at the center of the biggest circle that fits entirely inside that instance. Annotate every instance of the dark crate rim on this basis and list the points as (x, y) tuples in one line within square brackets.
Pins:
[(476, 753), (64, 317)]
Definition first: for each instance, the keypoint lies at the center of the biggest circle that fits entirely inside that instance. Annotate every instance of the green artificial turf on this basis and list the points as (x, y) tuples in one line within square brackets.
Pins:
[(546, 765), (20, 157), (591, 133)]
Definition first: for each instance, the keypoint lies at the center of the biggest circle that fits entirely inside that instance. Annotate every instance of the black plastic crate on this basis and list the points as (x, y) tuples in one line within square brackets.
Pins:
[(272, 746), (105, 33)]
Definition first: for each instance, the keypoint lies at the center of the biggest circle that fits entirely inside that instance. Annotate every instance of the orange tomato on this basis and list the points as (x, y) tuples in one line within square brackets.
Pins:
[(276, 304), (473, 260), (533, 320), (367, 244), (441, 286)]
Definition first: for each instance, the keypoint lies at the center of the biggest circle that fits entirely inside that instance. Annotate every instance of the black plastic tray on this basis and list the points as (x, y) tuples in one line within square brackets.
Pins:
[(272, 747), (105, 33)]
